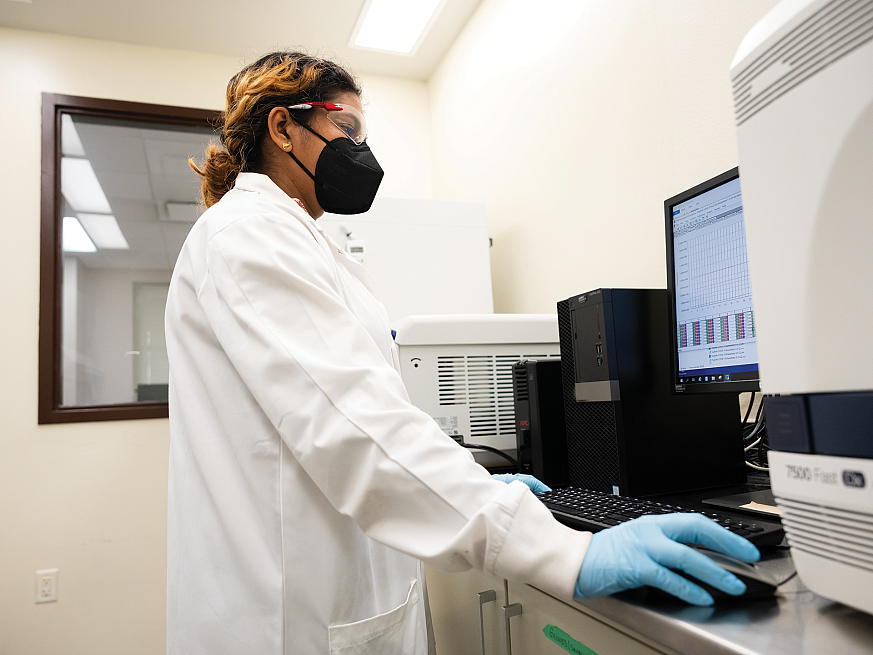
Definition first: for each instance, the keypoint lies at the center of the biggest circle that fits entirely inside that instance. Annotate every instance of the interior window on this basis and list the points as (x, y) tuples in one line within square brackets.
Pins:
[(116, 211)]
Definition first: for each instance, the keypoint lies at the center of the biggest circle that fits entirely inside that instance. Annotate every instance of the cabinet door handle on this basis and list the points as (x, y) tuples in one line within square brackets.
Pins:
[(484, 597), (508, 612)]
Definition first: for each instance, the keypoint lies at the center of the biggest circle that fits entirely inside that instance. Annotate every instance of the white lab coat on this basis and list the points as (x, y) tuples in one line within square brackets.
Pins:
[(304, 487)]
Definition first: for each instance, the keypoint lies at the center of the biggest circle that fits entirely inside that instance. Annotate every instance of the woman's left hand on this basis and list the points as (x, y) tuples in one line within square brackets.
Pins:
[(535, 485)]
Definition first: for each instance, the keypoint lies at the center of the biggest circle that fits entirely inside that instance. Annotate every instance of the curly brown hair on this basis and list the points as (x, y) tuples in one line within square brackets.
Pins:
[(276, 79)]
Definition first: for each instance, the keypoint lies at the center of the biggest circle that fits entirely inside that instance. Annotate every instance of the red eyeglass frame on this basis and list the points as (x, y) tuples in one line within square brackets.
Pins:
[(328, 106)]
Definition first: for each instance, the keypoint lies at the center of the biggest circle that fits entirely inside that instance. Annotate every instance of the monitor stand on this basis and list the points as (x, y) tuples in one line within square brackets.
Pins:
[(759, 502)]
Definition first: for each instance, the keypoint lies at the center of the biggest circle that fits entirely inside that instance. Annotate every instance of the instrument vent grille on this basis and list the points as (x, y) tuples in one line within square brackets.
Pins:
[(519, 371), (484, 384), (834, 31), (452, 380), (840, 535)]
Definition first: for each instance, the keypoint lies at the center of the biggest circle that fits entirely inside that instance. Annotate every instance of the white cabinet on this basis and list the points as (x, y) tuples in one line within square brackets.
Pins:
[(543, 616), (425, 256), (538, 623), (455, 605)]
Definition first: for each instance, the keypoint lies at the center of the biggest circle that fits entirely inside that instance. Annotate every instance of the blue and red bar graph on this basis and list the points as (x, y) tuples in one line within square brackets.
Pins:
[(717, 329)]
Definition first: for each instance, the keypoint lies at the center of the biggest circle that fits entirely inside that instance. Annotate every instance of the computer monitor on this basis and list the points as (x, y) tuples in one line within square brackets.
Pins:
[(713, 320)]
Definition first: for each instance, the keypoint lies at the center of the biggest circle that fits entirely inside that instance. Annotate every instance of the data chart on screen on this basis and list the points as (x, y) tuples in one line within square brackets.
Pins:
[(715, 318)]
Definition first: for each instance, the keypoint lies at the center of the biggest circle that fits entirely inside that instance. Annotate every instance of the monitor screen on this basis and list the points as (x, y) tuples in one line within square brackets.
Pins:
[(713, 321)]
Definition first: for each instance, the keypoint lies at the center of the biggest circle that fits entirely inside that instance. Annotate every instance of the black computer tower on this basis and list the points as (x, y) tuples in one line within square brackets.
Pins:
[(541, 436), (627, 433)]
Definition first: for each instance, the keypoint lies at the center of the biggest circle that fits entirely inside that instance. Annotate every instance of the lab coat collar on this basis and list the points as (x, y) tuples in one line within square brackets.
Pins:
[(260, 183)]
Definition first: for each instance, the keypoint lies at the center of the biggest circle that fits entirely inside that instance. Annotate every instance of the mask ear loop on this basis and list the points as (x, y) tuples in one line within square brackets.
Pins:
[(300, 164), (291, 154)]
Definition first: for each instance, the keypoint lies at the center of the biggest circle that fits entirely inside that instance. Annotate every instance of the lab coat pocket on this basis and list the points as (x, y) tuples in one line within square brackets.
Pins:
[(398, 632)]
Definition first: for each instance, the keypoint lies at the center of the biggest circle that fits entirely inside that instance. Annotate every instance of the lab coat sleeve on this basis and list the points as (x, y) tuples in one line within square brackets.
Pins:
[(273, 298)]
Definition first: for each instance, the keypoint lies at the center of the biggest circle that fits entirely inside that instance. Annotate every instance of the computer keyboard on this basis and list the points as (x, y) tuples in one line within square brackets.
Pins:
[(594, 511)]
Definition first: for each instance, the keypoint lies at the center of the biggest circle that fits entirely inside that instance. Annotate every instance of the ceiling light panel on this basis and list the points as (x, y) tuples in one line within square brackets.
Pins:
[(80, 186), (397, 26), (104, 231), (75, 238)]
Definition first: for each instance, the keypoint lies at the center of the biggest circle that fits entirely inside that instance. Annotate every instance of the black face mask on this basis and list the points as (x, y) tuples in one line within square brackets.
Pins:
[(347, 176)]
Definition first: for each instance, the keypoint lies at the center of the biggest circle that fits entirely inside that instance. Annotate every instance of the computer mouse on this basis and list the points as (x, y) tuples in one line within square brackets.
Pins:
[(759, 583)]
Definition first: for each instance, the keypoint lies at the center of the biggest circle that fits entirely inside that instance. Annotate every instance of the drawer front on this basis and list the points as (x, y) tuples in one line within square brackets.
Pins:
[(546, 626), (454, 606)]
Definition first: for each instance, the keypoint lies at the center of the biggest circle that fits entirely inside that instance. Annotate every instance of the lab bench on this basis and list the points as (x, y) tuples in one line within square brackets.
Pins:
[(641, 621)]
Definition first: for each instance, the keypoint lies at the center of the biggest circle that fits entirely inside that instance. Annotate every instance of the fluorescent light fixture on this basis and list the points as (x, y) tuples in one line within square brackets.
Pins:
[(75, 238), (80, 186), (104, 231), (71, 144), (396, 26)]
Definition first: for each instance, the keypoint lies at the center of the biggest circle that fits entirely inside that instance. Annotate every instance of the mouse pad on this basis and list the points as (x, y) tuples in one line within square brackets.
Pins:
[(760, 503)]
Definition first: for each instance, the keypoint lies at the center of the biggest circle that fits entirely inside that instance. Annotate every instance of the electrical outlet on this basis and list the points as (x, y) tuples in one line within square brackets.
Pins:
[(46, 585)]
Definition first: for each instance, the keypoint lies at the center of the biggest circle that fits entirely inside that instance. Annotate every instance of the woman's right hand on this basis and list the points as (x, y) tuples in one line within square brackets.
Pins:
[(641, 552)]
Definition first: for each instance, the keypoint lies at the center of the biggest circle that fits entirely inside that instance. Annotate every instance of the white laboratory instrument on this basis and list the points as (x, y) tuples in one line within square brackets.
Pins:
[(803, 94), (425, 256), (458, 368)]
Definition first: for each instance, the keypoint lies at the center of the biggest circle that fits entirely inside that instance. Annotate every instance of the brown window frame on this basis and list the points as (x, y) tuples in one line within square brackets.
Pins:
[(51, 268)]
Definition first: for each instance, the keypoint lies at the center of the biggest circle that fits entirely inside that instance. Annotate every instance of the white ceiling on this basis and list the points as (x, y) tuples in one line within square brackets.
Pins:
[(238, 29), (140, 170)]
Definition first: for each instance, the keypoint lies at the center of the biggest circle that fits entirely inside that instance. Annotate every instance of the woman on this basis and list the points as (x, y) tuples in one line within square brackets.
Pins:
[(305, 489)]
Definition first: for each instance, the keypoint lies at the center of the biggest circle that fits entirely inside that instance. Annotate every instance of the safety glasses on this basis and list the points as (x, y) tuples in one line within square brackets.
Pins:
[(350, 120)]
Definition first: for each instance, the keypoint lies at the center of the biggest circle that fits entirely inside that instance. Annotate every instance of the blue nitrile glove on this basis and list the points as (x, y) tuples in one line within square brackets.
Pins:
[(535, 485), (639, 553)]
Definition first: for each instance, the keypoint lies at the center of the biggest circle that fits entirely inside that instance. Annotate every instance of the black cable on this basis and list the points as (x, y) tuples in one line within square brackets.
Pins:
[(753, 429), (761, 458), (755, 441), (787, 579), (496, 451), (764, 446), (750, 433)]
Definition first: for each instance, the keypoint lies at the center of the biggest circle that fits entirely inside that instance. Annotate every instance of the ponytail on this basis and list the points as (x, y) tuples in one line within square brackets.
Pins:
[(219, 173)]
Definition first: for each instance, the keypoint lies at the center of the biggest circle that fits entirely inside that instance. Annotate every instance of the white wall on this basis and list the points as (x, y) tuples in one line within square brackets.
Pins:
[(573, 121), (90, 498), (398, 119)]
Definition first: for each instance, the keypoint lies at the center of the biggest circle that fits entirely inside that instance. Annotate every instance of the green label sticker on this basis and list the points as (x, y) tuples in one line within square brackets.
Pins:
[(565, 641)]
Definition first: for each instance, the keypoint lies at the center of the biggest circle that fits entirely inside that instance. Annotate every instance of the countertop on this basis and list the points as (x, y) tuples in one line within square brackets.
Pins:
[(796, 621)]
